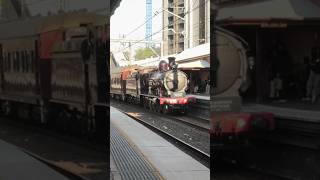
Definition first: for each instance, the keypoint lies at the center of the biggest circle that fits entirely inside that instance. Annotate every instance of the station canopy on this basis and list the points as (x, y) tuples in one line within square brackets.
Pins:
[(119, 59), (194, 65), (195, 53), (295, 10), (153, 61)]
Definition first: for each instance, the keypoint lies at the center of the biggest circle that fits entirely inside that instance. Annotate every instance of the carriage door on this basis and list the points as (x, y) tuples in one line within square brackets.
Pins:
[(1, 67), (123, 86)]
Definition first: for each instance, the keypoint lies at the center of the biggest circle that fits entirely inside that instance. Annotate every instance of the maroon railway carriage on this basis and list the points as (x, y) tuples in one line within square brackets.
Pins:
[(55, 67)]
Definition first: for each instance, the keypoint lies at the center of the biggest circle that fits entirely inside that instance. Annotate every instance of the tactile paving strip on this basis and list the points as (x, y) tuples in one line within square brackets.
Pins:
[(129, 161)]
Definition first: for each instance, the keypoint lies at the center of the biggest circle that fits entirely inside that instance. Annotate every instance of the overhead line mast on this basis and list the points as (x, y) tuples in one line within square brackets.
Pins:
[(148, 35)]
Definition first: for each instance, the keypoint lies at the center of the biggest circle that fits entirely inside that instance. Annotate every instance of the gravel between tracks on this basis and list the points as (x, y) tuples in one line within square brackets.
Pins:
[(191, 135)]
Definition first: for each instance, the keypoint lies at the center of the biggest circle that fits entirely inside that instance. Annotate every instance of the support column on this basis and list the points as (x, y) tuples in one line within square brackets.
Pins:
[(259, 68)]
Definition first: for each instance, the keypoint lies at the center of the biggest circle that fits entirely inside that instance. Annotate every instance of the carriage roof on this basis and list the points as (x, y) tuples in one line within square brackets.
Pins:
[(41, 24)]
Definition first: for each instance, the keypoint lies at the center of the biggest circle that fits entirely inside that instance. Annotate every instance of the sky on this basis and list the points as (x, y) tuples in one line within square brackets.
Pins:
[(131, 14)]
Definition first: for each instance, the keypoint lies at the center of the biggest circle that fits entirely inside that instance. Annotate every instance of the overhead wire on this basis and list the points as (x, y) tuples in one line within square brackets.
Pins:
[(200, 5), (155, 14)]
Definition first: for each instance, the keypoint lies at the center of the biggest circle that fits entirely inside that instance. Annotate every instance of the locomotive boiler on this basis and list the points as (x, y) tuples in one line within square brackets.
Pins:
[(230, 69), (171, 83)]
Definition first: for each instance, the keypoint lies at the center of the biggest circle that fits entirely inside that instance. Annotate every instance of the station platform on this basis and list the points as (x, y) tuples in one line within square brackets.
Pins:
[(290, 110), (136, 152), (16, 164)]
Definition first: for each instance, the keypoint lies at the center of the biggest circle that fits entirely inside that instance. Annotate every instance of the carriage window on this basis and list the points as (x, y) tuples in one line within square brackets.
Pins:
[(22, 62), (14, 61), (5, 66), (13, 58), (32, 61), (18, 62), (27, 61), (9, 62), (4, 58)]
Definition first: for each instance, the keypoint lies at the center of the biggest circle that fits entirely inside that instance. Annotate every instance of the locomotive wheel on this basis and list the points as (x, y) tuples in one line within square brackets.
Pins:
[(158, 108), (184, 112), (152, 106), (145, 104)]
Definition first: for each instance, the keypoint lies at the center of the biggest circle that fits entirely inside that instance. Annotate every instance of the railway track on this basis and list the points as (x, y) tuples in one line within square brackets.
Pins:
[(74, 157), (228, 170), (304, 128), (197, 123), (201, 124), (86, 142), (62, 170), (289, 152), (194, 122), (196, 153), (296, 133)]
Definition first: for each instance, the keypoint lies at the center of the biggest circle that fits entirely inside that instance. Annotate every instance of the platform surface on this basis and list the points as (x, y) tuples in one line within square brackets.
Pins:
[(168, 160), (114, 172), (17, 165), (289, 111)]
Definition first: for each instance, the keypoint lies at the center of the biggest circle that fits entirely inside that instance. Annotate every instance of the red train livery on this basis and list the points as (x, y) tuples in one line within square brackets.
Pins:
[(55, 67)]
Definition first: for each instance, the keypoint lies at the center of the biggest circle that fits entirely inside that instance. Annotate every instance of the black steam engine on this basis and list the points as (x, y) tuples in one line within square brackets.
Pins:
[(161, 89)]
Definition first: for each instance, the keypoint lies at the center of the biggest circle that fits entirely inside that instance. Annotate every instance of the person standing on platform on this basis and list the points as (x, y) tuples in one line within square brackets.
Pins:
[(276, 87), (196, 88), (310, 82), (207, 87), (306, 68)]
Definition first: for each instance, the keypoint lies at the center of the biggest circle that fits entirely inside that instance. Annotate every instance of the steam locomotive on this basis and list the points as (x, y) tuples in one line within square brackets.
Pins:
[(161, 89), (229, 124), (53, 71)]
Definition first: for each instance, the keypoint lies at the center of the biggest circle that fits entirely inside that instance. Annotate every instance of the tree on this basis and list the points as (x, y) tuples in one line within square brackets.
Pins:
[(143, 53)]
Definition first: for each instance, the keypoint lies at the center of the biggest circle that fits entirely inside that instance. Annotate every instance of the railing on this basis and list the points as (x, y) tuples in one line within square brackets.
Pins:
[(170, 33), (180, 2)]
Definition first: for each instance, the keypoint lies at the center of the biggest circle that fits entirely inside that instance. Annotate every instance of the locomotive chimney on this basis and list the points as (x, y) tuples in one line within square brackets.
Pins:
[(173, 66), (172, 62)]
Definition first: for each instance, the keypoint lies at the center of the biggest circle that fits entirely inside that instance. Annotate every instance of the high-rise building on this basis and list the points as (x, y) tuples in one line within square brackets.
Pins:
[(186, 24), (197, 23), (173, 26)]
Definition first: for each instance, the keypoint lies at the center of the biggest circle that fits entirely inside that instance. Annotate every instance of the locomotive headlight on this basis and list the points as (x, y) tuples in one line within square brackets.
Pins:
[(185, 101)]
